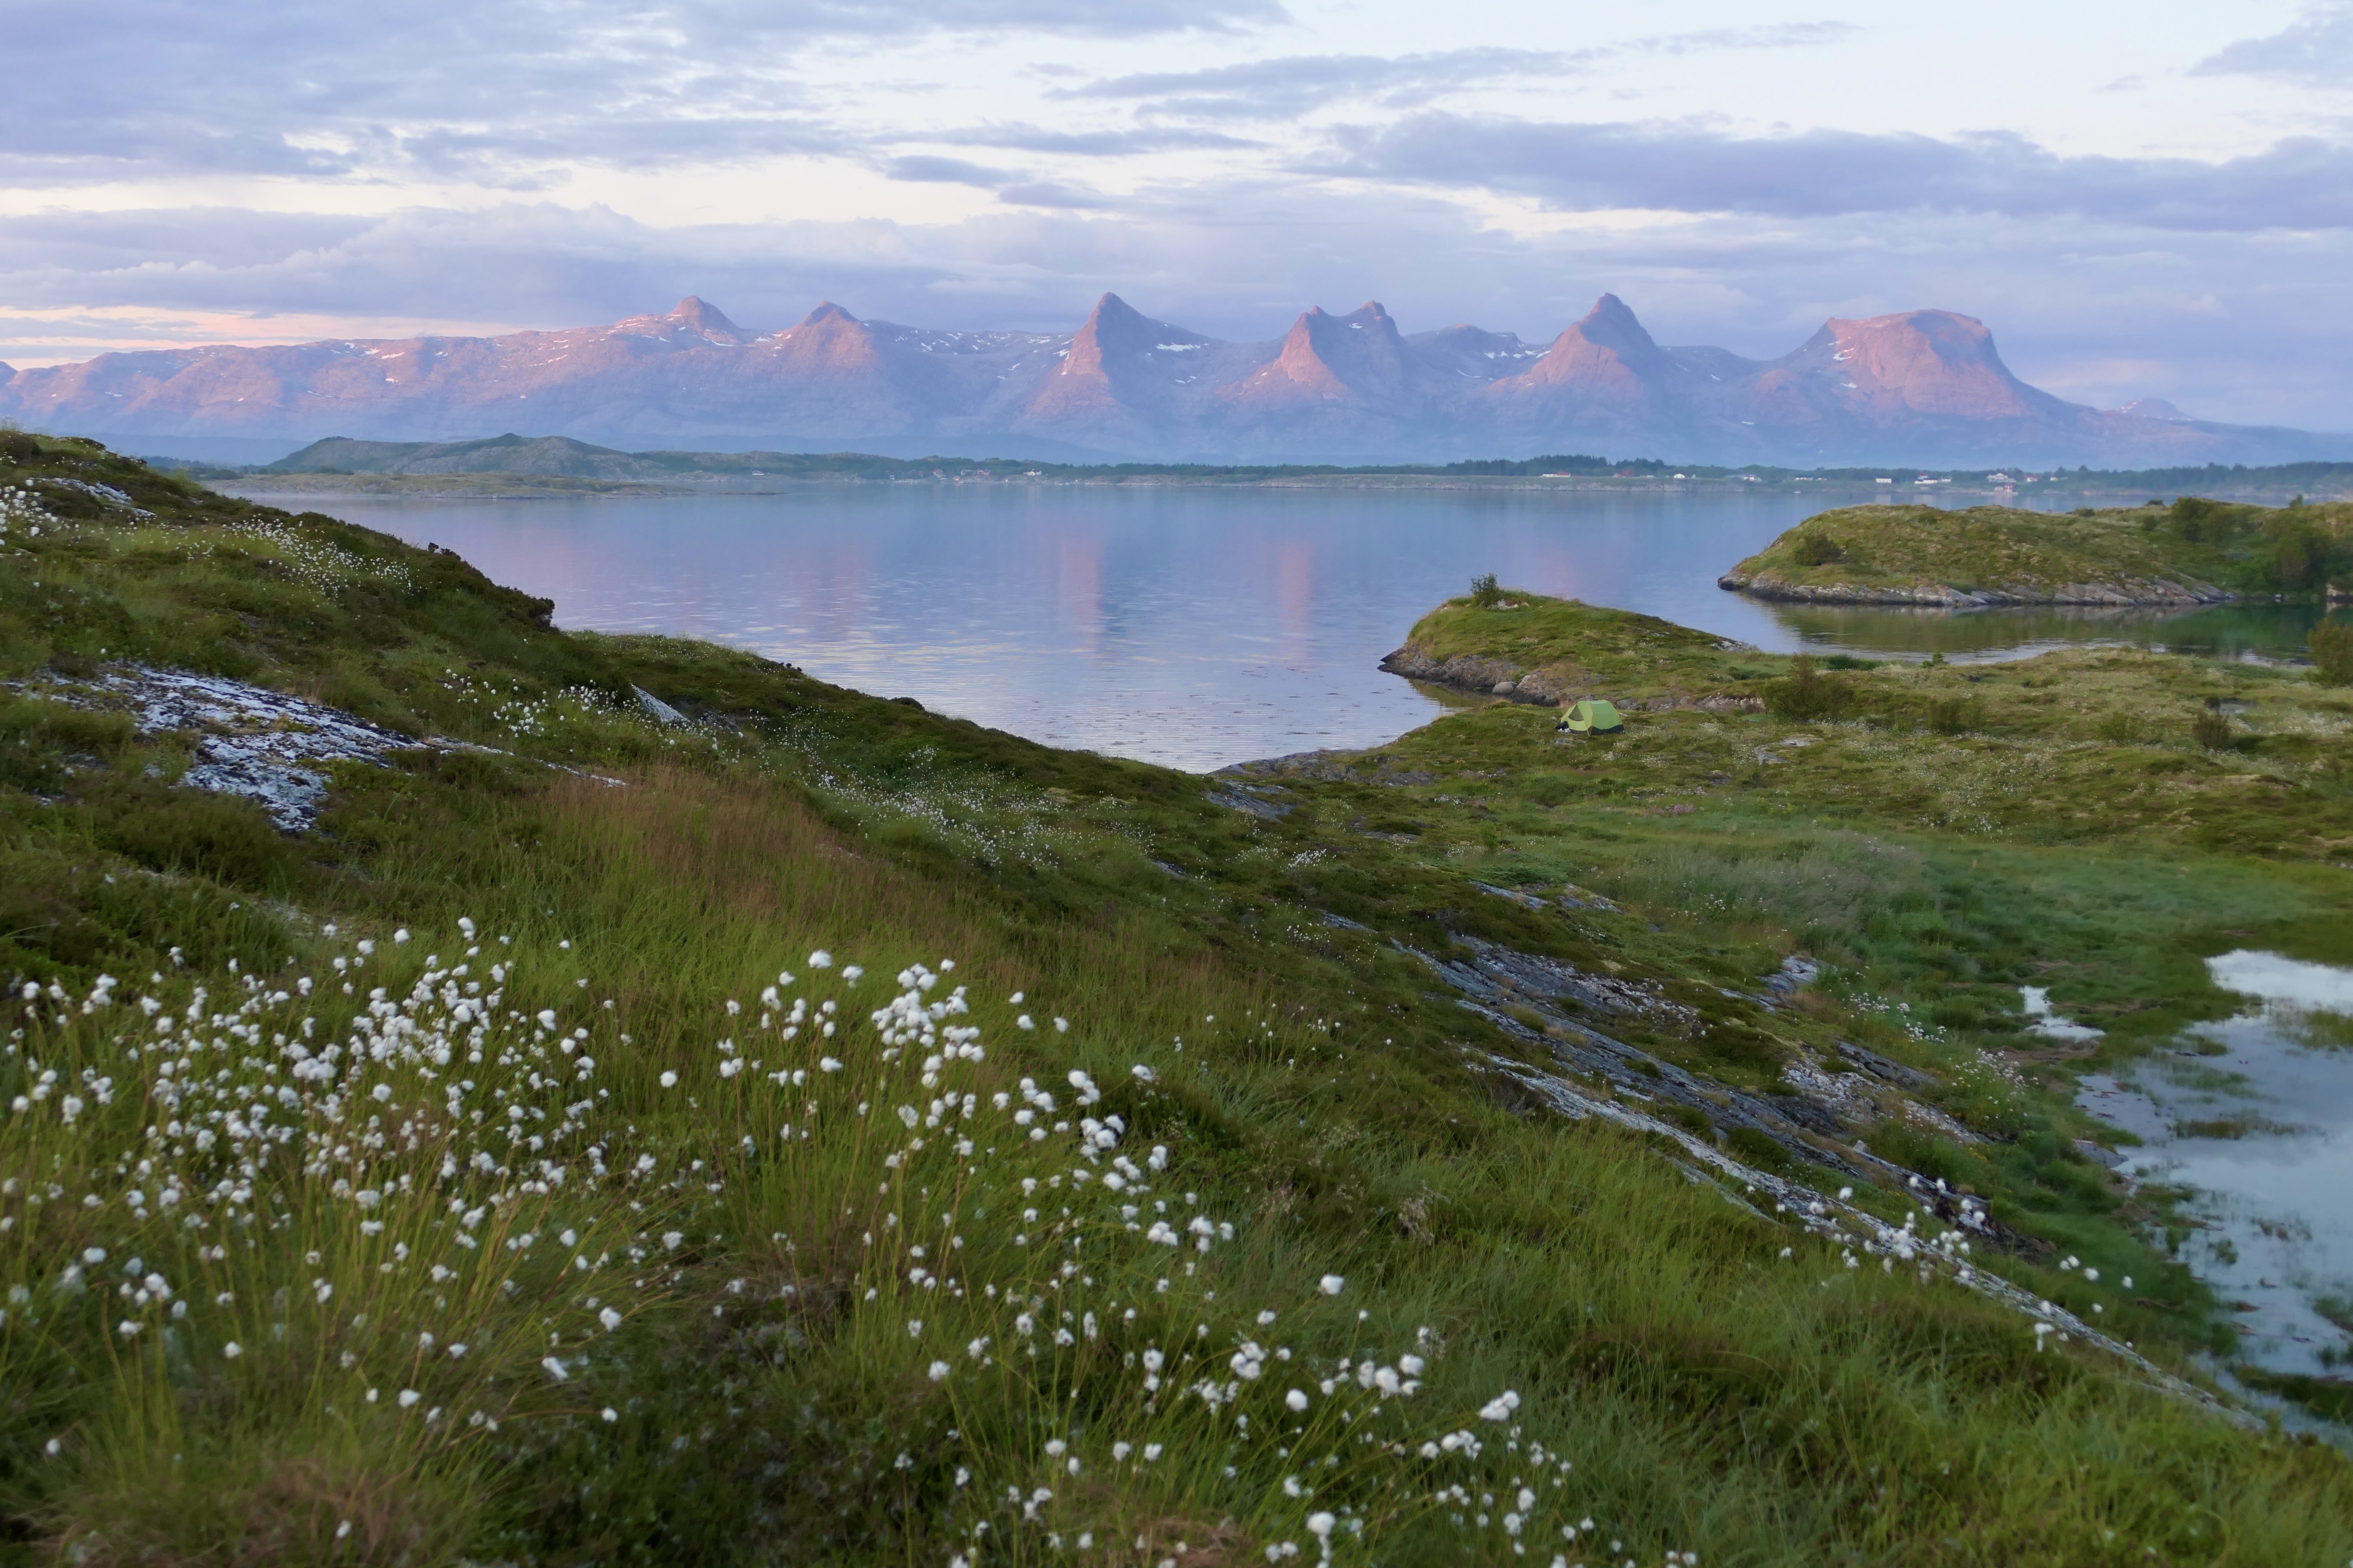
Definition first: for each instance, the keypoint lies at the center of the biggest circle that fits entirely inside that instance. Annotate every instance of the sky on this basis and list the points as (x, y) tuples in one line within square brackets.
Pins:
[(2141, 197)]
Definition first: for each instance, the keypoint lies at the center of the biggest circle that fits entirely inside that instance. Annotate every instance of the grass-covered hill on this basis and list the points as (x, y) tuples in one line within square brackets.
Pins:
[(643, 1105), (2193, 551), (1556, 650)]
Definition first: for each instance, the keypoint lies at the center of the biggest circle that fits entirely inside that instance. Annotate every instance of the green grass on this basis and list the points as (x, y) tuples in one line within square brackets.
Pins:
[(1867, 552), (1312, 1084)]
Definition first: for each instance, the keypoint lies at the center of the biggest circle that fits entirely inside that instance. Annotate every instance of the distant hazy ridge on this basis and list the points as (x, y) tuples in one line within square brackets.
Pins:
[(1922, 387)]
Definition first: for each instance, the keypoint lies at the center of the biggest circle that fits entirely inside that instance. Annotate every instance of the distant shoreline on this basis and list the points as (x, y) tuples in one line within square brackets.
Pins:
[(520, 486)]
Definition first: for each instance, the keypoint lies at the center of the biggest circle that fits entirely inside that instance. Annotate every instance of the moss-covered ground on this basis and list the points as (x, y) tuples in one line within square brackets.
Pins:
[(513, 1169)]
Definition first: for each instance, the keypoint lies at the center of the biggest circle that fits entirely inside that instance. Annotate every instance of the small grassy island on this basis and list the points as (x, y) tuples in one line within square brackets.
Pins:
[(2193, 551), (476, 1092)]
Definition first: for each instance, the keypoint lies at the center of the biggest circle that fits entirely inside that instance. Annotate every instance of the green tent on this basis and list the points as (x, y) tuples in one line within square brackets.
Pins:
[(1592, 716)]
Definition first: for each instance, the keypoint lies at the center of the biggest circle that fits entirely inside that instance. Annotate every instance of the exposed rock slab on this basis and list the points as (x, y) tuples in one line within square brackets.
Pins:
[(249, 741)]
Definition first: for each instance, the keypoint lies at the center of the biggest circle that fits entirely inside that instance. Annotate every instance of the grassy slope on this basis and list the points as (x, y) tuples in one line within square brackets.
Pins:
[(2027, 553), (1584, 648), (1709, 1394)]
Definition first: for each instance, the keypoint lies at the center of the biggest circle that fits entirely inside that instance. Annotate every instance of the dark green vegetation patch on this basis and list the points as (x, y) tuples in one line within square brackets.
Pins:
[(480, 1187)]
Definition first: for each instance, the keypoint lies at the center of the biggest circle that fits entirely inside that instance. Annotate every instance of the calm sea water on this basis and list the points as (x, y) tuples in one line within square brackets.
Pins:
[(1192, 626)]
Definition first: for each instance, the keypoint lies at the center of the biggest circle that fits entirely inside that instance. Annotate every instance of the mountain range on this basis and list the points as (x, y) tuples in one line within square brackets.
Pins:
[(1919, 386)]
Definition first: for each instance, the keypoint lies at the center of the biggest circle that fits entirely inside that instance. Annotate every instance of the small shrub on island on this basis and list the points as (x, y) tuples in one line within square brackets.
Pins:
[(1817, 550), (2331, 646)]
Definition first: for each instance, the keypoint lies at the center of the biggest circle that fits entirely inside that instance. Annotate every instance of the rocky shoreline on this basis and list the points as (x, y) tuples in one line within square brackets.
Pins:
[(1499, 678), (2128, 592)]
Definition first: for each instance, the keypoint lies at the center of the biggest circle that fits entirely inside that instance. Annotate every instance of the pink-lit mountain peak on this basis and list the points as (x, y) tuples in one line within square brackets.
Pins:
[(1937, 363), (692, 319), (1922, 385), (1358, 358), (825, 312)]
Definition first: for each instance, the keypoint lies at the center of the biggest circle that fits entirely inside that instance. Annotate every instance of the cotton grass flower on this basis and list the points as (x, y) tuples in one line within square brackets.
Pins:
[(1331, 1284)]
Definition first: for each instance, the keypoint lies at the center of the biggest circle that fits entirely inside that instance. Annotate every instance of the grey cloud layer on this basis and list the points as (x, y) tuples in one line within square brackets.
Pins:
[(2301, 183), (501, 92)]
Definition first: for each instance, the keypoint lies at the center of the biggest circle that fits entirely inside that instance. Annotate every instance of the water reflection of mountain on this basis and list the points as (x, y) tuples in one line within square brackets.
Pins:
[(2224, 630)]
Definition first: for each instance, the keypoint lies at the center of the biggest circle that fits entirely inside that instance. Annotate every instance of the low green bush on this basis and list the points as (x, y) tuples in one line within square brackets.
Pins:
[(2331, 645)]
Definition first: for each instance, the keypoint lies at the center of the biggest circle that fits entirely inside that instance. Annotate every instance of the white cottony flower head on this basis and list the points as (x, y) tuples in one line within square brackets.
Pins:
[(1320, 1524), (232, 1349), (408, 1397), (820, 959), (611, 1415), (1500, 1408), (828, 1064), (1025, 1022), (554, 1369), (939, 1369), (670, 1080), (1296, 1399), (1330, 1284), (400, 936), (610, 1319)]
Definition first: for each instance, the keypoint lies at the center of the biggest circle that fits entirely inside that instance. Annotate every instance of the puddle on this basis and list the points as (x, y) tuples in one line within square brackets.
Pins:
[(2050, 1024), (2255, 1114)]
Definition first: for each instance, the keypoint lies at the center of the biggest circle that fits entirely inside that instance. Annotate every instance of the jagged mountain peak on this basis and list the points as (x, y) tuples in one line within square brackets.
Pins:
[(1933, 362), (1608, 356), (1612, 322), (696, 312), (690, 319), (1924, 385)]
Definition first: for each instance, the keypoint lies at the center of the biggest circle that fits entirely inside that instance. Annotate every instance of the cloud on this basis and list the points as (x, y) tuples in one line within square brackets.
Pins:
[(502, 93), (1295, 84), (2316, 51), (1124, 143), (2301, 183), (948, 172)]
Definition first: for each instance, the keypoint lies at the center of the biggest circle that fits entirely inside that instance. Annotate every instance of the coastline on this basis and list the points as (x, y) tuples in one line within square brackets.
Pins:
[(2128, 593), (536, 487)]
